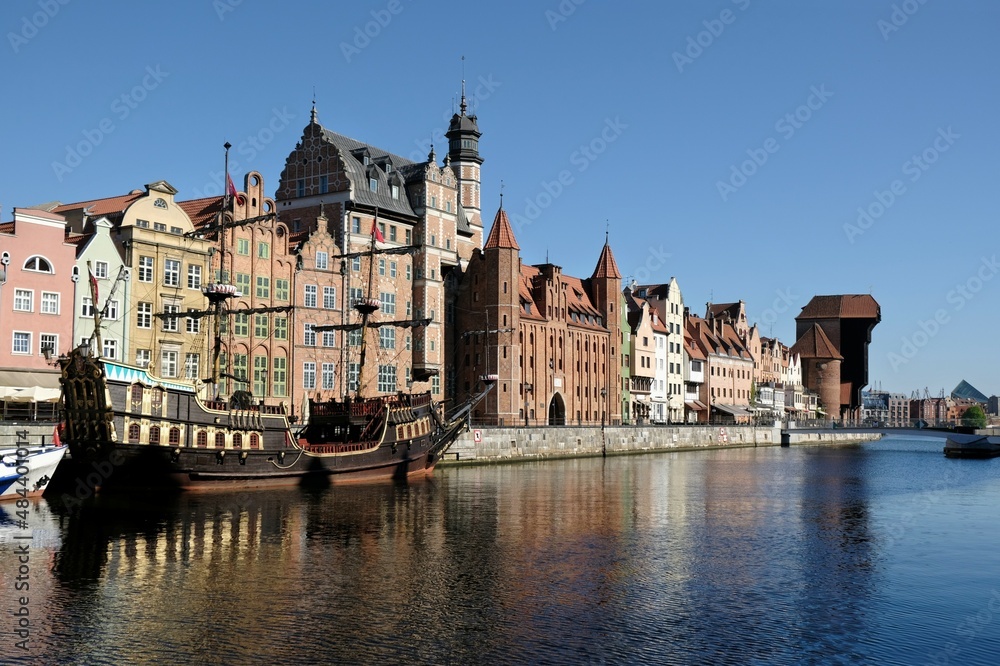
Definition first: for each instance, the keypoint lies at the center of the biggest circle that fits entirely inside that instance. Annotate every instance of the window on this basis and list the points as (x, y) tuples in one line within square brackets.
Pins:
[(112, 308), (322, 260), (300, 188), (354, 338), (193, 324), (243, 246), (387, 379), (48, 341), (192, 366), (241, 325), (324, 184), (434, 203), (168, 363), (409, 236), (435, 384), (142, 224), (170, 323), (281, 328), (392, 269), (355, 264), (392, 233), (330, 298), (171, 273), (279, 379), (159, 226), (309, 375), (263, 286), (263, 250), (308, 335), (260, 325), (39, 264), (310, 296), (381, 266), (143, 357), (329, 339), (395, 191), (353, 371), (101, 270), (373, 184), (22, 343), (145, 269), (388, 302), (144, 315), (327, 376), (194, 276), (50, 302), (356, 225), (260, 375), (387, 337), (356, 295), (240, 368), (281, 289), (243, 283), (23, 300), (407, 272)]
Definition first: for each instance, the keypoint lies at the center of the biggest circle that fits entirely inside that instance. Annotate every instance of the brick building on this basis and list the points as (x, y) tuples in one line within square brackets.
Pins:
[(551, 338)]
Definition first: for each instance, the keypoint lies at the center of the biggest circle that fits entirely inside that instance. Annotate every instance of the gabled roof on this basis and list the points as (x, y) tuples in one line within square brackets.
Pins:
[(105, 206), (606, 265), (501, 235), (201, 211), (814, 343), (843, 306)]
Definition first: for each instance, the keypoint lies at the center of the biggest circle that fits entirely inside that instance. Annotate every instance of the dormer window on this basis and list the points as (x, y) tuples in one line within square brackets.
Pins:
[(388, 167), (159, 203), (367, 160), (395, 191), (372, 183)]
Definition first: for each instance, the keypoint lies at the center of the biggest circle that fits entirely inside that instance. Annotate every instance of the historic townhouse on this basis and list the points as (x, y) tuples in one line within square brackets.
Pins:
[(37, 288), (98, 253), (640, 320), (668, 303), (730, 366), (695, 409), (430, 206), (551, 339), (167, 264)]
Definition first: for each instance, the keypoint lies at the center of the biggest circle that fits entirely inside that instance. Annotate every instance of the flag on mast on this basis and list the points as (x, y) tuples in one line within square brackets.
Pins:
[(93, 285), (376, 232), (232, 188)]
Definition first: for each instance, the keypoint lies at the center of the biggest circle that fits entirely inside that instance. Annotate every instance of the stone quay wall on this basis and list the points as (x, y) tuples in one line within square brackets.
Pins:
[(491, 445), (39, 432)]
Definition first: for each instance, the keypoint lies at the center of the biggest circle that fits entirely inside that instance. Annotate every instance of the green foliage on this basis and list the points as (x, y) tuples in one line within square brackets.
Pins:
[(974, 417)]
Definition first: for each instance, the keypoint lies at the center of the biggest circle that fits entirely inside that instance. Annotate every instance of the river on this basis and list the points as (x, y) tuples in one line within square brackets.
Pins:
[(879, 553)]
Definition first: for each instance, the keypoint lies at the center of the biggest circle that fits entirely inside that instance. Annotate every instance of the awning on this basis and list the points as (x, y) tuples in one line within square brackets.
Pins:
[(733, 409), (695, 405), (22, 379), (34, 394)]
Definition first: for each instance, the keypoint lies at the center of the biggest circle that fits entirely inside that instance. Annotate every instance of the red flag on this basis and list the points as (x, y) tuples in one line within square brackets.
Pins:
[(93, 285), (377, 233), (232, 188)]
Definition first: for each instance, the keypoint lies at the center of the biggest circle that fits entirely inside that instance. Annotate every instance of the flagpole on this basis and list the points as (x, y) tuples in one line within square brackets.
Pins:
[(217, 325)]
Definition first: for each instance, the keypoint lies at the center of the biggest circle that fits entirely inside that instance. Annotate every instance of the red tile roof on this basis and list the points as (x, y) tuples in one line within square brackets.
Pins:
[(201, 211), (105, 206), (606, 265), (501, 235), (814, 343), (844, 306)]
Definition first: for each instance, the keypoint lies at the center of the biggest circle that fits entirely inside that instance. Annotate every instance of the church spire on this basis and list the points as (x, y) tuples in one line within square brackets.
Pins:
[(501, 235), (607, 267)]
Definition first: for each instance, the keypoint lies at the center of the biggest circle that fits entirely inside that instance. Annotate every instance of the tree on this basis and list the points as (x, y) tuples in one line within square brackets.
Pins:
[(974, 417)]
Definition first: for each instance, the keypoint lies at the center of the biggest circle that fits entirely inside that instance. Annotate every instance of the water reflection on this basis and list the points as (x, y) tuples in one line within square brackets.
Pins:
[(750, 556)]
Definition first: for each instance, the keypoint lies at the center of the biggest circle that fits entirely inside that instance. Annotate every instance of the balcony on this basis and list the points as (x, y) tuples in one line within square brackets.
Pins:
[(642, 385)]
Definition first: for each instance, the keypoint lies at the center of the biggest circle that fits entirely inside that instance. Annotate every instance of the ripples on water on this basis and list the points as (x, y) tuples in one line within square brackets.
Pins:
[(884, 553)]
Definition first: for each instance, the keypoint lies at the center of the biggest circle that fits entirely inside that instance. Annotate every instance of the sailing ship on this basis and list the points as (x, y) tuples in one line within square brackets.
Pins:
[(137, 430)]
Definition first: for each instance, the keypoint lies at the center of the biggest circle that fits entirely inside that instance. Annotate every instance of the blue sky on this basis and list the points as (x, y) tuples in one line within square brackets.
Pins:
[(758, 151)]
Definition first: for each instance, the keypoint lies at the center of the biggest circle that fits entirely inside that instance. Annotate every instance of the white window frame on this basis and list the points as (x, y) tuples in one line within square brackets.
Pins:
[(194, 276), (48, 338), (309, 375), (144, 315), (168, 363), (24, 300), (171, 272), (330, 298), (101, 270), (147, 269), (310, 297), (322, 260), (25, 336), (53, 298)]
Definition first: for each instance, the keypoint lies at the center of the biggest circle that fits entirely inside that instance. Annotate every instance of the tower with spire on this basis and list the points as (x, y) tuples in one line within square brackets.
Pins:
[(605, 287), (463, 154)]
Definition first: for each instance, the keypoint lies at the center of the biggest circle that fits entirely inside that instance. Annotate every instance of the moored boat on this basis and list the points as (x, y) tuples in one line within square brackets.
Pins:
[(972, 446), (32, 467)]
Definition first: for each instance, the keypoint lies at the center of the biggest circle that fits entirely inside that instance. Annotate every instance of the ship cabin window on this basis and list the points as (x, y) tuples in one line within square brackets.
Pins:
[(136, 397), (154, 435), (133, 433), (237, 440), (254, 441), (157, 399), (220, 440), (202, 440), (175, 436), (409, 432)]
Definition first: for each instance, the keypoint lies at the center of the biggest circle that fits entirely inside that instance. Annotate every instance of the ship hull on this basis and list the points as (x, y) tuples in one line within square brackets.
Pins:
[(41, 463)]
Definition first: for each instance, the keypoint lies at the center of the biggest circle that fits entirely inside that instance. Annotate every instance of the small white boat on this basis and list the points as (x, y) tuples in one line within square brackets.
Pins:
[(40, 462)]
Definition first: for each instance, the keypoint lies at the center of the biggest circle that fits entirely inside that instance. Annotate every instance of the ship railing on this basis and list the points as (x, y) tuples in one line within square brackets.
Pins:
[(327, 408), (366, 408)]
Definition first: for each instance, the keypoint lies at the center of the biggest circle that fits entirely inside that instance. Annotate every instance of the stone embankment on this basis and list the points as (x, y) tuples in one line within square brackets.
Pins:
[(485, 445)]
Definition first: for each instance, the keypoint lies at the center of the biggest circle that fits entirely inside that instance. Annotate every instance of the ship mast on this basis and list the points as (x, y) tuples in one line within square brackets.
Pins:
[(97, 311), (221, 289), (367, 305)]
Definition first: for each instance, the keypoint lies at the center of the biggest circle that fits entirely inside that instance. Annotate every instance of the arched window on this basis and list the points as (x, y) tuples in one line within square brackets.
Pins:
[(154, 434), (220, 440), (133, 433), (39, 264), (237, 440), (136, 397), (201, 440), (254, 441), (175, 436)]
